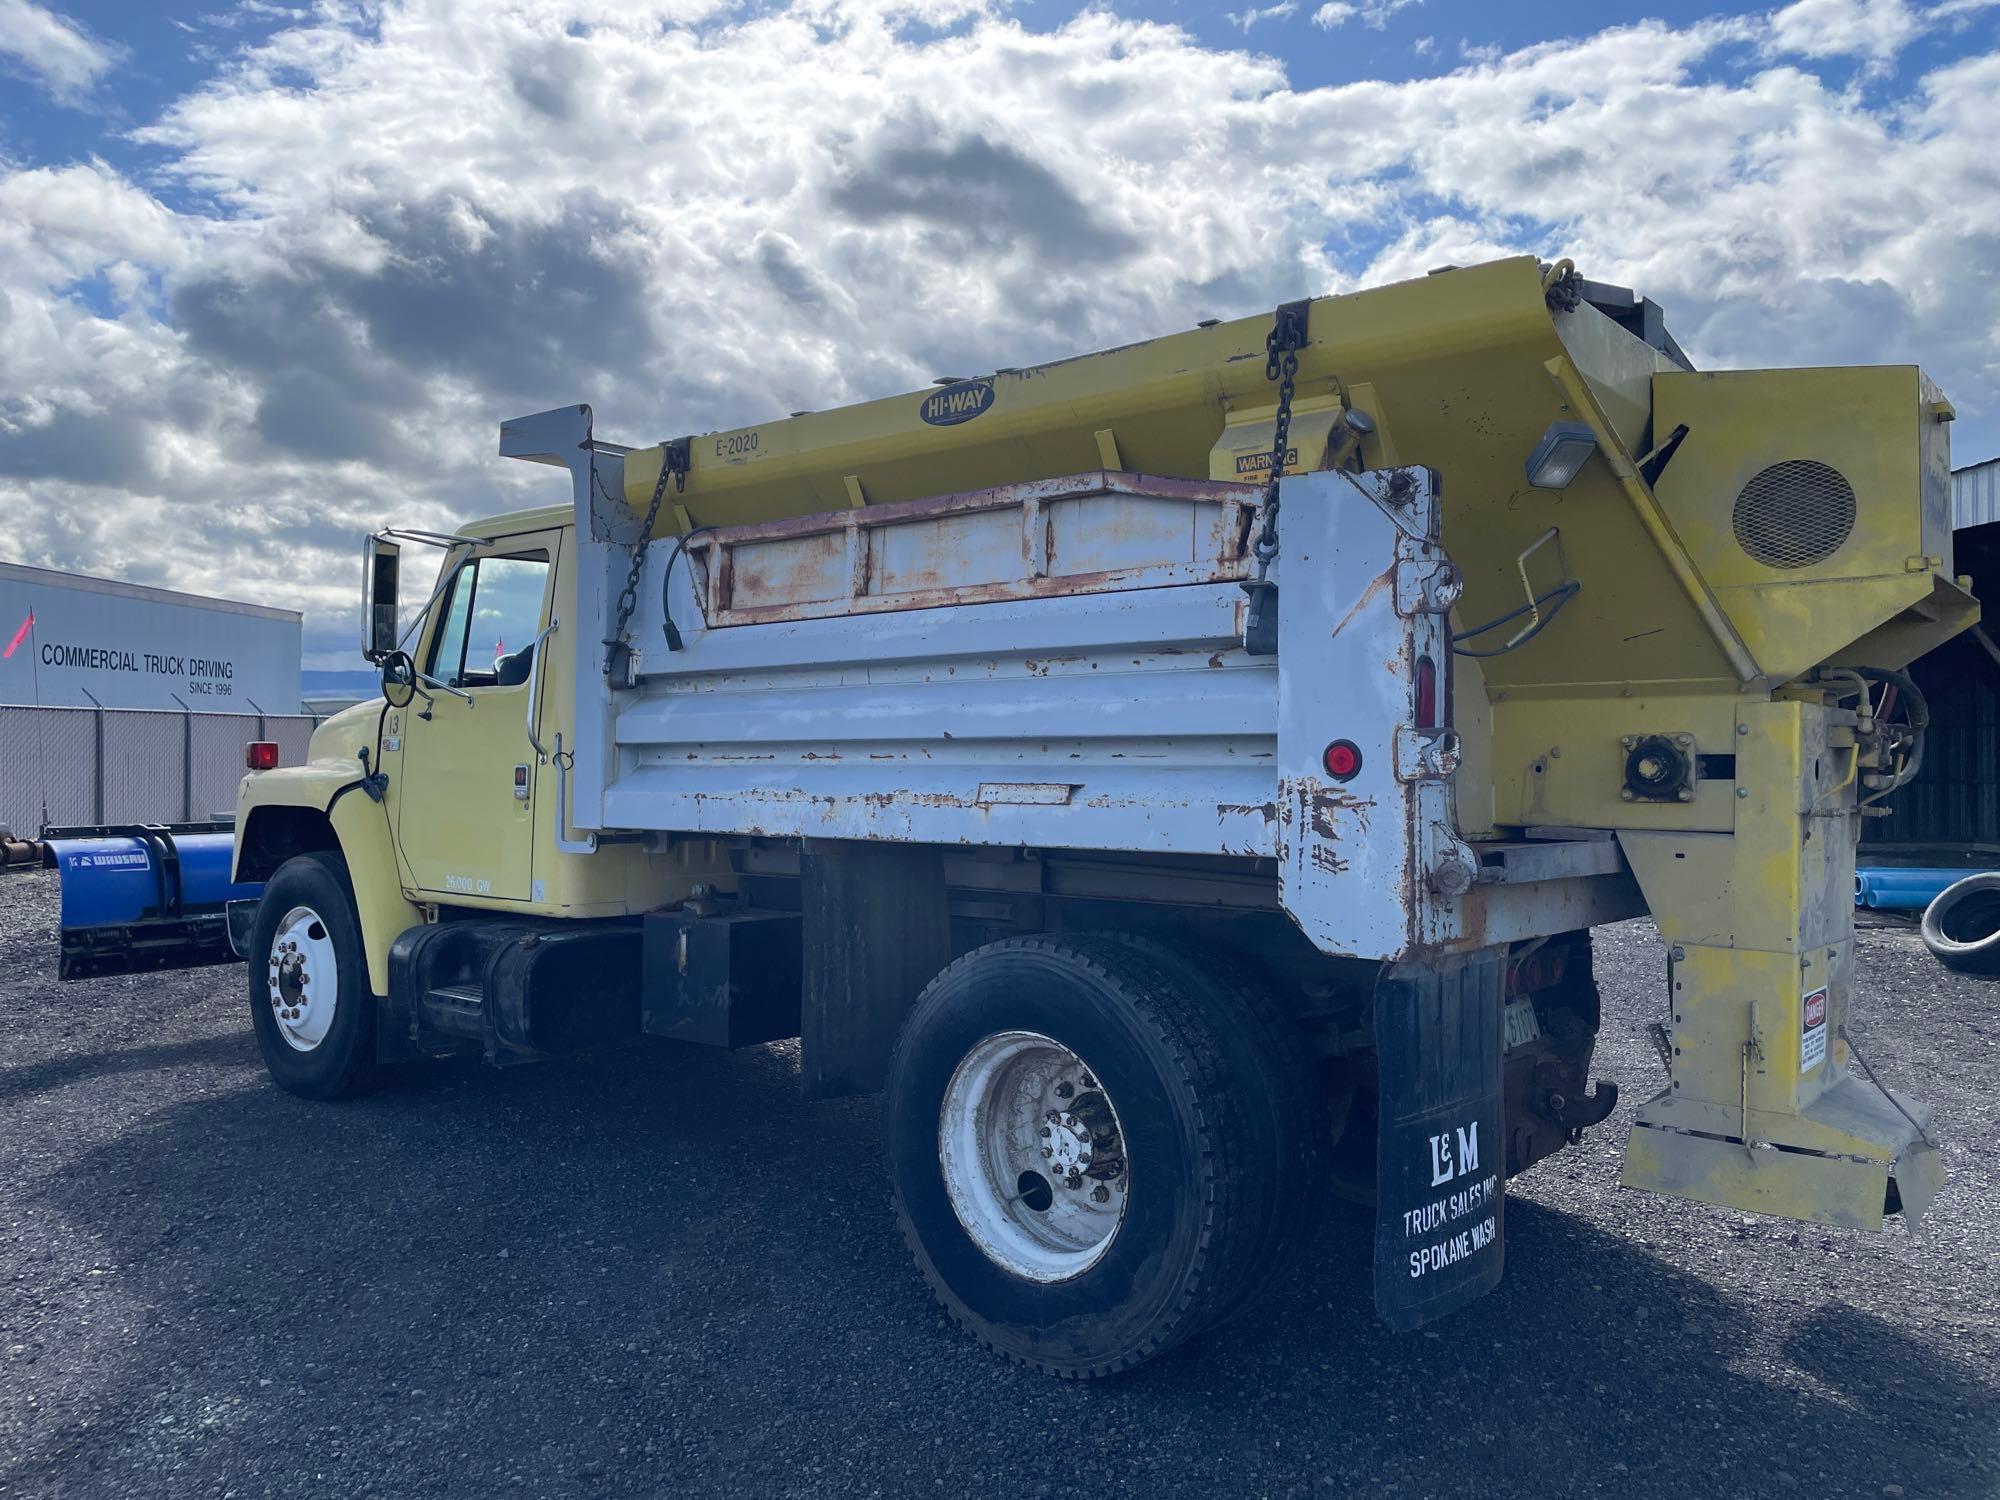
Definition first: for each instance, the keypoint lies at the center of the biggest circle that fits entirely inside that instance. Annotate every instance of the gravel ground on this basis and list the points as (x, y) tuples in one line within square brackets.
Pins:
[(656, 1271)]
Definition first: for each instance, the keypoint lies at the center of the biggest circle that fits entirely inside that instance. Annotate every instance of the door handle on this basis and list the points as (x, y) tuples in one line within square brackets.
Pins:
[(535, 688)]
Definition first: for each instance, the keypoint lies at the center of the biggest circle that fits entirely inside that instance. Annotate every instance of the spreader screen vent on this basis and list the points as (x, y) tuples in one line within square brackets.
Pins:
[(1794, 514)]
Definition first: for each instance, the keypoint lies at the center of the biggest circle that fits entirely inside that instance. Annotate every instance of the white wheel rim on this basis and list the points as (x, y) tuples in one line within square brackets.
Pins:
[(302, 977), (1033, 1157)]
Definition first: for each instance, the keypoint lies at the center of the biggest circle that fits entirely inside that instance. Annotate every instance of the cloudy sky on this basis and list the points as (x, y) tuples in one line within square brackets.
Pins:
[(272, 274)]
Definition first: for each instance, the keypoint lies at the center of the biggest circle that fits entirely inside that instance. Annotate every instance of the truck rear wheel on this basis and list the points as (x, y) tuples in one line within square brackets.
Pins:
[(310, 1004), (1092, 1149)]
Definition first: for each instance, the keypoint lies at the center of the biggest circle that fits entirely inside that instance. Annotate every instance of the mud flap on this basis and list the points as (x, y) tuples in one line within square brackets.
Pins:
[(1441, 1153)]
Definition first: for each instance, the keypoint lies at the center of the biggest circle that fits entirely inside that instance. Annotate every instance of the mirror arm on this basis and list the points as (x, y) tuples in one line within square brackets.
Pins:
[(445, 575), (443, 687)]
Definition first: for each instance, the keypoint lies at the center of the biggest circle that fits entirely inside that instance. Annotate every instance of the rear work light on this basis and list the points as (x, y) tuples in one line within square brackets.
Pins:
[(261, 755), (1562, 451)]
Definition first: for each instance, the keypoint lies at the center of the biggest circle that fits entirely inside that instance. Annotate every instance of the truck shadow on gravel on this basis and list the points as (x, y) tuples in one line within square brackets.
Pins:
[(19, 1083), (658, 1270)]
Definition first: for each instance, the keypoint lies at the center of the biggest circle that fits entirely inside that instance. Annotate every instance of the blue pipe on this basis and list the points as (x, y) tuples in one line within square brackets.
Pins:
[(1903, 887)]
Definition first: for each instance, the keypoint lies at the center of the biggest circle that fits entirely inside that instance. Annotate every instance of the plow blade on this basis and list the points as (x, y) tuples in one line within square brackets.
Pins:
[(144, 896)]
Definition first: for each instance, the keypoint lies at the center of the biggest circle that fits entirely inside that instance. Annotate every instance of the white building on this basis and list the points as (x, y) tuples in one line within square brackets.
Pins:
[(71, 641)]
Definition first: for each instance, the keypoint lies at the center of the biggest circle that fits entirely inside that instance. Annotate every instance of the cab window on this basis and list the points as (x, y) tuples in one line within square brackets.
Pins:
[(492, 614)]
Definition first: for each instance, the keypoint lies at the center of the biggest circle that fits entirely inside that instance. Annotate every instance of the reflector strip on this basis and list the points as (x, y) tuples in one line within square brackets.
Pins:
[(19, 636)]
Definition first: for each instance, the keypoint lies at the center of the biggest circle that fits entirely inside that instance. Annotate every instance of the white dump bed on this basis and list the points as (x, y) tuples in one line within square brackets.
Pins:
[(1060, 665), (1053, 664)]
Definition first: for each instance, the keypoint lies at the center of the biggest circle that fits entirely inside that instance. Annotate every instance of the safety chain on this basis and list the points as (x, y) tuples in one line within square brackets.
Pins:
[(674, 459), (1281, 363)]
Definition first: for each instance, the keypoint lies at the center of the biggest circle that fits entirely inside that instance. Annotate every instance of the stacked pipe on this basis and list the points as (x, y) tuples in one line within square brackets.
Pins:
[(1903, 888), (17, 851)]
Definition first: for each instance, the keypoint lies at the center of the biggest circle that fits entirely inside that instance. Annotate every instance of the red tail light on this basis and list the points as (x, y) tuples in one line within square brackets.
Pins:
[(1426, 693), (261, 755), (1342, 760)]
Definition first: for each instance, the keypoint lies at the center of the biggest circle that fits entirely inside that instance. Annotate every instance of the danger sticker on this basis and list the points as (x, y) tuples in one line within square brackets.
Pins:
[(1812, 1030)]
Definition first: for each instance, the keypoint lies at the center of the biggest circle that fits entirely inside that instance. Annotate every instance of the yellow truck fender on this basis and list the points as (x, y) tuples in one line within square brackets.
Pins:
[(299, 809)]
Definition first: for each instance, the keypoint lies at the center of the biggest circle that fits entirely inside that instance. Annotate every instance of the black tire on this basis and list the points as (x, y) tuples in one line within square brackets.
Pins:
[(1284, 1105), (1200, 1109), (1962, 926), (343, 1062)]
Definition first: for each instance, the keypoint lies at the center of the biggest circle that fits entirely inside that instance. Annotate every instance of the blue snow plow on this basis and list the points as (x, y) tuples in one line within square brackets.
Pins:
[(144, 896)]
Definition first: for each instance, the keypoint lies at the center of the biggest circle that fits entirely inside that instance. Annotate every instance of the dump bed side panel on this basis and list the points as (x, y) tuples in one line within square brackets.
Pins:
[(1129, 720), (1060, 665)]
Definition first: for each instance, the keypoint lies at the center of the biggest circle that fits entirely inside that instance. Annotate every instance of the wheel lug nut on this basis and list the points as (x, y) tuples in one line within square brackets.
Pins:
[(1100, 1194), (1045, 1132), (1064, 1089)]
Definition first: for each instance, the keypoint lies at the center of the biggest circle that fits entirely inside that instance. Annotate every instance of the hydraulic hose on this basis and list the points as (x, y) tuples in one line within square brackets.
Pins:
[(1919, 711)]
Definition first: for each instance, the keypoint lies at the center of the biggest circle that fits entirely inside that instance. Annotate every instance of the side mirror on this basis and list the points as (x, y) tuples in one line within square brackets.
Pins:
[(399, 679), (381, 568)]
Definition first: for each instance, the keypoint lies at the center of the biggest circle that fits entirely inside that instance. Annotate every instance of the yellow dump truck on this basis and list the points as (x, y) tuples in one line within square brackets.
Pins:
[(1182, 777)]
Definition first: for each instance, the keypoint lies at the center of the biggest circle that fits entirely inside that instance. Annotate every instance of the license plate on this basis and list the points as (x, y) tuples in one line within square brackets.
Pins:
[(1523, 1026)]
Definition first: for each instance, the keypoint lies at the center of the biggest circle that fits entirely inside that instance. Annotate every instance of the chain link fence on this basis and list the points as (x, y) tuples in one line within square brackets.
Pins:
[(67, 766)]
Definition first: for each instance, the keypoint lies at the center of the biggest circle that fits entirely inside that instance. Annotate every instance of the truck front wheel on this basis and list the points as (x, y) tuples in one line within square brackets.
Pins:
[(310, 1003), (1089, 1143)]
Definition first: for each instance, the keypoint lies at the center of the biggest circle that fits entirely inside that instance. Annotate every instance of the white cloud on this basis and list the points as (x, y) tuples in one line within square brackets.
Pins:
[(1374, 14), (1874, 30), (420, 220), (1877, 29), (1250, 17), (66, 59)]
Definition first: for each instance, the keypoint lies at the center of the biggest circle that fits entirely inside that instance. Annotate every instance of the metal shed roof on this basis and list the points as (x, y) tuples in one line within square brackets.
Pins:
[(1975, 494), (84, 583)]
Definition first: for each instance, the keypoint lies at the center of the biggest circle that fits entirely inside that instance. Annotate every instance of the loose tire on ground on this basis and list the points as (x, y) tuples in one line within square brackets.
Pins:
[(317, 1043), (1961, 926), (1201, 1122)]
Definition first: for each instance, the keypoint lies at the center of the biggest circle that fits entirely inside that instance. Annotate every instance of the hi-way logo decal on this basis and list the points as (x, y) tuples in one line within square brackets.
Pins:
[(956, 403), (14, 642)]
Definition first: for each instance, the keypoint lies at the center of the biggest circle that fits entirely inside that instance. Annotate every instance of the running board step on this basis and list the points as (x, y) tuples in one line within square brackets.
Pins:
[(456, 1010)]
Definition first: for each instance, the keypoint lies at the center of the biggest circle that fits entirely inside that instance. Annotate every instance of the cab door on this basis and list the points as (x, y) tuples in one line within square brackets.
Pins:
[(465, 808)]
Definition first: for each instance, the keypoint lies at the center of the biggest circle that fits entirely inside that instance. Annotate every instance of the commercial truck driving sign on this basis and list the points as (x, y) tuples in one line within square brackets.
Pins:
[(84, 642)]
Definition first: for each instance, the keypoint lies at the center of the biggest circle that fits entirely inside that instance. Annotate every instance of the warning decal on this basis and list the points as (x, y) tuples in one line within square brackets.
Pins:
[(1260, 463), (1812, 1030)]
